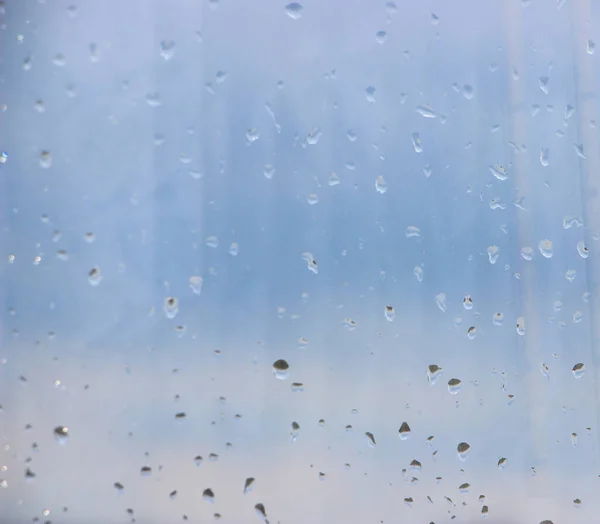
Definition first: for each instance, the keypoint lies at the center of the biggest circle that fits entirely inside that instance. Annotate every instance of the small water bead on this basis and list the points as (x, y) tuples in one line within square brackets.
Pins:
[(527, 253), (463, 449), (153, 99), (311, 263), (472, 332), (297, 387), (412, 232), (381, 185), (61, 433), (582, 249), (543, 83), (349, 324), (196, 283), (294, 10), (295, 433), (370, 94), (380, 37), (417, 143), (502, 462), (269, 171), (577, 503), (63, 255), (404, 431), (171, 307), (390, 313), (45, 159), (493, 254), (418, 272), (498, 319), (574, 439), (590, 47), (521, 326), (545, 247), (570, 275), (94, 276), (370, 439), (485, 511), (468, 91), (281, 369), (578, 370), (333, 180), (545, 370), (426, 112), (252, 135), (468, 302), (434, 372), (544, 157), (234, 249), (454, 386), (212, 241), (577, 317), (440, 300)]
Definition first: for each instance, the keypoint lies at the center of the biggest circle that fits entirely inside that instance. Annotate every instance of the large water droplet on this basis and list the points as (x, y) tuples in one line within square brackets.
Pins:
[(294, 10), (404, 431), (281, 369), (463, 450), (545, 247), (434, 372), (412, 232), (208, 495), (468, 302), (578, 370), (472, 332), (498, 171), (527, 253), (248, 485), (454, 386)]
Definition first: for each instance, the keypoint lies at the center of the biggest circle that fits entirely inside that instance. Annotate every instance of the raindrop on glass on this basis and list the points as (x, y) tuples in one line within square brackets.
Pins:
[(248, 484), (311, 263), (582, 249), (545, 247), (544, 157), (498, 319), (145, 471), (418, 272), (370, 439), (390, 313), (440, 300), (370, 94), (333, 180), (94, 276), (61, 434), (281, 369), (208, 495), (426, 112), (167, 49), (570, 275), (412, 232), (434, 372), (196, 283), (578, 370), (380, 37), (590, 47), (454, 386), (171, 307), (212, 241), (252, 135), (498, 171), (417, 143), (472, 332), (463, 450), (468, 302), (521, 326), (493, 253), (527, 253), (381, 185), (404, 431), (294, 10), (45, 159)]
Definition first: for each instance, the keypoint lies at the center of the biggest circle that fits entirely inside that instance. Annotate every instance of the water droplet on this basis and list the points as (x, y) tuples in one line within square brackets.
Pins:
[(468, 302), (45, 159), (61, 254), (234, 249), (370, 94), (260, 509), (545, 370), (349, 324), (295, 433), (468, 91), (252, 134), (208, 495), (590, 47), (119, 487), (472, 332), (391, 8), (153, 99), (570, 275), (380, 37), (314, 136), (196, 283), (269, 171), (502, 462), (521, 326), (417, 143), (281, 369), (294, 10), (171, 307), (390, 313), (94, 276), (3, 157), (412, 232), (463, 450), (212, 241), (545, 247), (493, 253), (434, 372), (61, 433), (370, 439), (426, 112), (440, 300), (333, 180), (418, 272), (498, 319), (311, 263), (404, 431), (577, 317), (297, 387), (527, 253), (569, 222), (578, 370), (454, 386), (220, 77), (582, 249), (381, 185), (544, 157), (543, 83), (167, 49), (59, 60), (577, 503), (498, 171)]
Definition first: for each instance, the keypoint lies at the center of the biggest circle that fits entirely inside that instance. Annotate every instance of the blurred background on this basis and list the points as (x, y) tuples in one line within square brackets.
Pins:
[(310, 262)]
